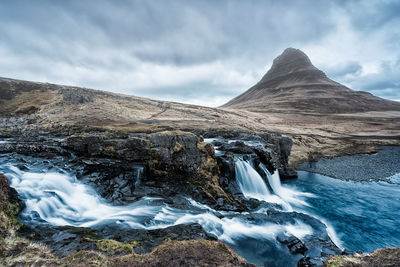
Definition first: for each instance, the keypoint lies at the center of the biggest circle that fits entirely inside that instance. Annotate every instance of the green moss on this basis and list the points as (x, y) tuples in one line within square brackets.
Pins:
[(334, 262), (341, 261), (195, 182), (86, 257), (115, 247)]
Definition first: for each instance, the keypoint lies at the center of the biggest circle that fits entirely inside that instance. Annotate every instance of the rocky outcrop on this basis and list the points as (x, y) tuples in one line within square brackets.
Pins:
[(386, 257), (76, 95), (125, 167), (157, 164), (270, 149), (10, 206)]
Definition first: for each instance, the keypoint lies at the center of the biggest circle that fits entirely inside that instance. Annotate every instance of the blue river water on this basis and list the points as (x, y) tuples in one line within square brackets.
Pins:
[(364, 215), (361, 216)]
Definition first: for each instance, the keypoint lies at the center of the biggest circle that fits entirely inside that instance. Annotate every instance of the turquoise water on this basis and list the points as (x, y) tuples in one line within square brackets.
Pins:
[(364, 215)]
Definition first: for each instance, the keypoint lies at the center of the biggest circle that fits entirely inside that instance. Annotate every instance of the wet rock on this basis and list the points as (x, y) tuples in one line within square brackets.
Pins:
[(295, 245), (317, 246), (237, 147), (287, 173), (309, 262), (227, 181)]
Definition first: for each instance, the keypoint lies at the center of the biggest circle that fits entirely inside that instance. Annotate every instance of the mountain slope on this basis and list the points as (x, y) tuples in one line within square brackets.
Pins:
[(293, 84)]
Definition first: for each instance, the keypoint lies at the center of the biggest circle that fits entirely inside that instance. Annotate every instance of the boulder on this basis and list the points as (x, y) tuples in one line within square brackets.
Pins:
[(295, 245)]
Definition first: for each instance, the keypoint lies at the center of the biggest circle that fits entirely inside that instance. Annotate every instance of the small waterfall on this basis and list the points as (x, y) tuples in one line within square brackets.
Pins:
[(250, 182), (273, 179), (288, 195), (139, 172)]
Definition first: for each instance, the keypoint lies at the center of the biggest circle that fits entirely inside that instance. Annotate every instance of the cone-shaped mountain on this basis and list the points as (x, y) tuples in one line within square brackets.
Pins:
[(294, 84)]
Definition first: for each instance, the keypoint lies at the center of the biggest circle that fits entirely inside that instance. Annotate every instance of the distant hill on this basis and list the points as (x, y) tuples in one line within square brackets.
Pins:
[(52, 104), (294, 84)]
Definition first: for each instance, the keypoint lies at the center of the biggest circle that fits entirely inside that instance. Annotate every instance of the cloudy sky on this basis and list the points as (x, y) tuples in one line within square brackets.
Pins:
[(202, 52)]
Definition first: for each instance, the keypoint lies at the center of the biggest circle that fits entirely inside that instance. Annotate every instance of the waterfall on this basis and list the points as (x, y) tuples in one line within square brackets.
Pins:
[(273, 180), (139, 172), (250, 182), (288, 195), (58, 198)]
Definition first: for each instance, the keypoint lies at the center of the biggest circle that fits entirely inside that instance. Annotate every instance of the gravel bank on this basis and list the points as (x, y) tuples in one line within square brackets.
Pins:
[(374, 167)]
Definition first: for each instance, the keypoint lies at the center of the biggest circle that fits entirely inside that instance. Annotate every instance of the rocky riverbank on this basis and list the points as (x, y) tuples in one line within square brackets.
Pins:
[(379, 166), (124, 167)]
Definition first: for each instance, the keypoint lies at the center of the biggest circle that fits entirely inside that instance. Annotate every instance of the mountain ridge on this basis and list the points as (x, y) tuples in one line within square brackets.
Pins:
[(294, 84)]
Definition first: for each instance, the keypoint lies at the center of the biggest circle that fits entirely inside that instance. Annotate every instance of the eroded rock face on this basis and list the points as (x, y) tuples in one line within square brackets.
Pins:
[(127, 167), (76, 95)]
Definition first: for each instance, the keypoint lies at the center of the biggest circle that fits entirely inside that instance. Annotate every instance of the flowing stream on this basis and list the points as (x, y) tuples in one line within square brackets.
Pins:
[(56, 197), (365, 215)]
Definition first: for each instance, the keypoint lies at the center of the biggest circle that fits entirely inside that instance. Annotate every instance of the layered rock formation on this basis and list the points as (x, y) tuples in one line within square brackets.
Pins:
[(294, 84)]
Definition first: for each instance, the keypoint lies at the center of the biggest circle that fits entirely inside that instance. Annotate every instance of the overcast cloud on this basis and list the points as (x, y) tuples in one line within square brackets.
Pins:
[(201, 52)]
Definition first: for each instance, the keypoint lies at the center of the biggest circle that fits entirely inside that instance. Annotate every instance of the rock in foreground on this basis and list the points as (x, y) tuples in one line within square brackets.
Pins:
[(382, 257)]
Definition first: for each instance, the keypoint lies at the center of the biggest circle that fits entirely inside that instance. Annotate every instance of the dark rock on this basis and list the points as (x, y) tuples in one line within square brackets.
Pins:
[(237, 147), (309, 262), (67, 239), (149, 239), (227, 181), (287, 173), (295, 245)]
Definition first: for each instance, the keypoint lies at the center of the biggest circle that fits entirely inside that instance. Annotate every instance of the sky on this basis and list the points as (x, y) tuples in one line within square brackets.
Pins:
[(197, 51)]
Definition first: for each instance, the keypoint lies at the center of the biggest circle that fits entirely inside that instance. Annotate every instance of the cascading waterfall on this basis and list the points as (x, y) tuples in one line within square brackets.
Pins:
[(252, 185), (287, 194), (250, 182), (58, 198)]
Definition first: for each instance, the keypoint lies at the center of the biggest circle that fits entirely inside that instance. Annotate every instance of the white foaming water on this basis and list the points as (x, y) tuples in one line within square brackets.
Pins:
[(250, 182), (138, 175), (287, 194), (61, 199), (395, 178), (252, 185)]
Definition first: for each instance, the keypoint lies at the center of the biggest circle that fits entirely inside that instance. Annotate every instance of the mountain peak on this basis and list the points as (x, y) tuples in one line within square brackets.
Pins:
[(292, 60), (292, 55), (293, 84)]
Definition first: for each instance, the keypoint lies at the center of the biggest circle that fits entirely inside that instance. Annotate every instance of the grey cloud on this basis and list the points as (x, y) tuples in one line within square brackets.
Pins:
[(160, 49), (344, 69), (372, 14), (385, 83)]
